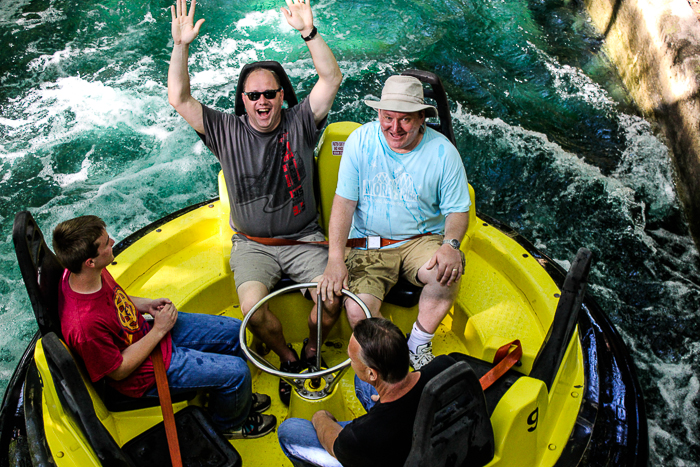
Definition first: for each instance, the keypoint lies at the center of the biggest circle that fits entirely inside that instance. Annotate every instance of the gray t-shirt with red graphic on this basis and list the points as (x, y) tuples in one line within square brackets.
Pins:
[(269, 176)]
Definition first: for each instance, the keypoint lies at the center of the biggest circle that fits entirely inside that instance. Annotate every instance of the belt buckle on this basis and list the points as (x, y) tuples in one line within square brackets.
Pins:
[(374, 242)]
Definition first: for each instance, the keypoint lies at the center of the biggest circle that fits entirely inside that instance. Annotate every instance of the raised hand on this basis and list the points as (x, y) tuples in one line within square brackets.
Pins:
[(299, 16), (183, 28)]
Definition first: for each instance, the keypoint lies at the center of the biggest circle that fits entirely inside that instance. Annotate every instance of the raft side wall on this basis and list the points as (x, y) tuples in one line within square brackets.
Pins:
[(170, 262)]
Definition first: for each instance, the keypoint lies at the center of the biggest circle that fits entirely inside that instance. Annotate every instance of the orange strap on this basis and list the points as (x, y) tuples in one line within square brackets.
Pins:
[(351, 243), (166, 406), (504, 361)]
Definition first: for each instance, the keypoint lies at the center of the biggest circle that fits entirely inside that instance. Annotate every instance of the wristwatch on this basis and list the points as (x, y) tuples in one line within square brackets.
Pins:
[(453, 242), (311, 35)]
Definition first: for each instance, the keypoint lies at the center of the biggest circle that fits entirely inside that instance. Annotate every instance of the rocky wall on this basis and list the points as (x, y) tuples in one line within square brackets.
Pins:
[(656, 47)]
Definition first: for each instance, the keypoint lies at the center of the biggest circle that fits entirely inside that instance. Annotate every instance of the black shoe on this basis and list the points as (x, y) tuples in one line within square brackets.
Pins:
[(311, 361), (289, 367), (261, 402), (255, 426)]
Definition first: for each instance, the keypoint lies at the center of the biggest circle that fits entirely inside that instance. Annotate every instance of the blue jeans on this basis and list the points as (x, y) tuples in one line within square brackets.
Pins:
[(298, 437), (207, 355)]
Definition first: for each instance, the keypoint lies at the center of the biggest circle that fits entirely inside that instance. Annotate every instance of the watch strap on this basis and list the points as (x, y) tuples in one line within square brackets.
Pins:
[(311, 35), (453, 242)]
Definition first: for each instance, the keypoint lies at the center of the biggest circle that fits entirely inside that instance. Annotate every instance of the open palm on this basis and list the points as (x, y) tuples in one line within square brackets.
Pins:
[(299, 15), (183, 28)]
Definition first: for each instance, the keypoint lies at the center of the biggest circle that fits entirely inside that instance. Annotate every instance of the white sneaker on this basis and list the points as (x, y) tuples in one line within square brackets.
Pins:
[(423, 356)]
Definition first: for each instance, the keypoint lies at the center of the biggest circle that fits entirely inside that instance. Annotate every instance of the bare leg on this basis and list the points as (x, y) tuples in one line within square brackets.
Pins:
[(329, 316), (264, 324), (435, 300), (355, 313)]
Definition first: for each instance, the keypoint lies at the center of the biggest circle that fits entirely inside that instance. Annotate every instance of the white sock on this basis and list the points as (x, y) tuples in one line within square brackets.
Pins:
[(417, 338)]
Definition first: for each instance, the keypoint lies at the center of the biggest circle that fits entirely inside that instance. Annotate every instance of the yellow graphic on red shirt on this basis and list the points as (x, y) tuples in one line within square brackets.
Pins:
[(127, 313)]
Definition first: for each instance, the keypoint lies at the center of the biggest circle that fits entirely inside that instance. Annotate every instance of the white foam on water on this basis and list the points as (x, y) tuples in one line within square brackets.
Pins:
[(14, 124), (69, 107), (147, 19), (10, 8), (50, 15), (256, 19), (645, 164), (678, 385), (11, 157), (64, 180), (42, 62), (572, 83), (218, 64)]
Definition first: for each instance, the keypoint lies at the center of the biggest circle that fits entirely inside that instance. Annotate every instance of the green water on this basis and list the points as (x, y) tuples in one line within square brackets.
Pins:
[(549, 140)]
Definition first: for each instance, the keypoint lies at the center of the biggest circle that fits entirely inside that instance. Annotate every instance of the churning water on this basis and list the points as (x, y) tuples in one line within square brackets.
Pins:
[(548, 137)]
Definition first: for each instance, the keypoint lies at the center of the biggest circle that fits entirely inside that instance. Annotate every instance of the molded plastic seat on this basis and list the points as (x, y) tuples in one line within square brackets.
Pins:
[(40, 270), (452, 426), (76, 400), (200, 442)]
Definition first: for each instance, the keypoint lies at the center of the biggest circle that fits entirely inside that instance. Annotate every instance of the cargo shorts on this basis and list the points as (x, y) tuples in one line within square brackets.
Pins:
[(253, 261), (375, 272)]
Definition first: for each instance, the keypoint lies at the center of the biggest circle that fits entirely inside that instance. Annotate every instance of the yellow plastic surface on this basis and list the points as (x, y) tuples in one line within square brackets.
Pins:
[(505, 294)]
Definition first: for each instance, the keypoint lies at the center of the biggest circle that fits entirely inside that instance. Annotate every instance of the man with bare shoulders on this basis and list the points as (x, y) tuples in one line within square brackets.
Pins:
[(267, 159)]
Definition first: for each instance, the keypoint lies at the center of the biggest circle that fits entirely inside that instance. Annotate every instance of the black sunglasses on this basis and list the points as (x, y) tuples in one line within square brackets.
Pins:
[(255, 95)]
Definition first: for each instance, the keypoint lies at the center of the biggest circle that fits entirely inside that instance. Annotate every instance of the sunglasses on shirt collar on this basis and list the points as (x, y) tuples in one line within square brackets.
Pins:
[(269, 94)]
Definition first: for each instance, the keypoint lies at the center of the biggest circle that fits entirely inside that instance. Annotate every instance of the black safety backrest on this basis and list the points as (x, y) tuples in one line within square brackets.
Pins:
[(76, 399), (452, 426), (436, 91), (551, 354), (40, 270), (289, 95)]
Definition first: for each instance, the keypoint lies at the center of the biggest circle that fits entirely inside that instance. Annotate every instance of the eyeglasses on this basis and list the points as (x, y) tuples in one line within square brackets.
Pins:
[(269, 94)]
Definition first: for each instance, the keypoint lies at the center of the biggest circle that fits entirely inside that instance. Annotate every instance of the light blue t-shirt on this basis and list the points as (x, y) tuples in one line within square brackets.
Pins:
[(401, 195)]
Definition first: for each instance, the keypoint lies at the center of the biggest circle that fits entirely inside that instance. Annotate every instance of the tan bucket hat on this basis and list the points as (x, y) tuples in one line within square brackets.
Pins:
[(403, 94)]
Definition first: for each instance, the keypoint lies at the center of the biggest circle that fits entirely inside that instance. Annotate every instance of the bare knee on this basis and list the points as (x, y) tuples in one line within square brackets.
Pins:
[(261, 315), (354, 312), (332, 306)]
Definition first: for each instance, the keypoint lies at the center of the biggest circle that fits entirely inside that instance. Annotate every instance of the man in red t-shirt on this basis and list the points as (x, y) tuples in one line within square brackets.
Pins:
[(106, 328)]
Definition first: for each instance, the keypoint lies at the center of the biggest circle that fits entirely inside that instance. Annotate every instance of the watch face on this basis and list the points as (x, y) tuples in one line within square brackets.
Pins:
[(454, 243)]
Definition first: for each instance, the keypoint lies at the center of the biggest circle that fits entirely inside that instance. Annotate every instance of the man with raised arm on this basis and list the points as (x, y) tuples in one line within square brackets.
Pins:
[(402, 189), (267, 159), (106, 328)]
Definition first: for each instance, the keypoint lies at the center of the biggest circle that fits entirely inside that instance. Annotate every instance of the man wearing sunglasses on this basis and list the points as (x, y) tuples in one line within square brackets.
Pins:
[(267, 159)]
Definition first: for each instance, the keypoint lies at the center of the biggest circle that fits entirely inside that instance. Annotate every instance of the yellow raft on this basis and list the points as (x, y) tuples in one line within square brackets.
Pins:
[(590, 413)]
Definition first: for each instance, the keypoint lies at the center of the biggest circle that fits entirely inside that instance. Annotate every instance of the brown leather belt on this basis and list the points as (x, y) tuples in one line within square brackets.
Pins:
[(371, 243), (376, 242)]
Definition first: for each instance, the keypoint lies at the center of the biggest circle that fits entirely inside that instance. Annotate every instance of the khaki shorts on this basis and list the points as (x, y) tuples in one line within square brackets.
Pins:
[(252, 261), (375, 272)]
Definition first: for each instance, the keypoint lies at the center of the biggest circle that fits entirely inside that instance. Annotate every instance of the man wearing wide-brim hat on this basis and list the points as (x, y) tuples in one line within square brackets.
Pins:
[(403, 200)]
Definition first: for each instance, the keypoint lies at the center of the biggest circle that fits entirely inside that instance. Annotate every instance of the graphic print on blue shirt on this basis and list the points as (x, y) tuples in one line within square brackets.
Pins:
[(401, 195)]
